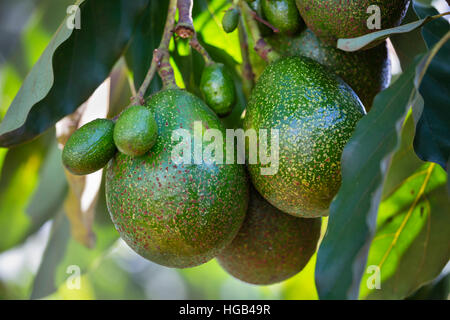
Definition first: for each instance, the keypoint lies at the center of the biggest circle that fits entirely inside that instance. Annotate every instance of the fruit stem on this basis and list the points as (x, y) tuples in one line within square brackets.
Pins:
[(185, 26), (262, 48), (161, 57), (185, 29), (163, 46), (248, 77), (195, 44)]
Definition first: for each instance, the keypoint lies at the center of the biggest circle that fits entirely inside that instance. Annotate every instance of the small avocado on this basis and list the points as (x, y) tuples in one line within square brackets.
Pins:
[(217, 87), (230, 20), (90, 147), (271, 246), (315, 113), (368, 71), (283, 15), (135, 131), (177, 213), (331, 20)]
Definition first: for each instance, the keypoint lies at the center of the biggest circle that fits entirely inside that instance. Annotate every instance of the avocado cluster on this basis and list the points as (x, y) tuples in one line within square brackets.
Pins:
[(262, 228)]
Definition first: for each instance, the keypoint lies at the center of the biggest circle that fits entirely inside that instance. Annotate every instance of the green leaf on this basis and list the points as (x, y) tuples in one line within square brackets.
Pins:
[(343, 252), (24, 170), (355, 44), (75, 62), (52, 273), (409, 45), (411, 245), (436, 290), (365, 161), (54, 252), (49, 196), (432, 140)]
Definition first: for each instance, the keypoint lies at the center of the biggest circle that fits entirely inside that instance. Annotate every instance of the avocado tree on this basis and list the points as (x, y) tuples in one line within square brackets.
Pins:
[(300, 144)]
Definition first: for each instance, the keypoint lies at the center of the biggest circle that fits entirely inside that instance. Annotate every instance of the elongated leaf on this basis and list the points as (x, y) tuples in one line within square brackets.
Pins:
[(54, 252), (49, 196), (351, 226), (75, 62), (409, 45), (53, 271), (432, 140), (365, 161), (412, 242), (19, 181), (436, 290), (355, 44)]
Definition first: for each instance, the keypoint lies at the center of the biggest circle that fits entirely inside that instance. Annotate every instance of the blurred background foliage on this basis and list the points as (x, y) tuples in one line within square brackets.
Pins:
[(37, 235)]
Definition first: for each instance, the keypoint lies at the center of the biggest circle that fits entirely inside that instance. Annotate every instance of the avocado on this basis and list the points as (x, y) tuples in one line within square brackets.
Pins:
[(368, 71), (283, 15), (90, 147), (271, 246), (176, 214), (135, 131), (315, 113), (331, 20), (217, 87), (230, 20)]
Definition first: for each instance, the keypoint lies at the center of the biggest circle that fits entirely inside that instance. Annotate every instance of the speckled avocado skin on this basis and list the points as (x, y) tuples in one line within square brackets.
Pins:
[(283, 15), (135, 131), (334, 19), (176, 215), (90, 147), (315, 112), (368, 72), (271, 246), (217, 87)]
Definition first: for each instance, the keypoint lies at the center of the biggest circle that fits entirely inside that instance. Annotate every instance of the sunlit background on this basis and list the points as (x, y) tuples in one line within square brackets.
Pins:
[(35, 255)]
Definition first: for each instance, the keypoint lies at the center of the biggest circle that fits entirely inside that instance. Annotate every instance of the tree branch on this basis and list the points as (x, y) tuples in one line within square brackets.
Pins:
[(248, 77), (163, 46), (185, 26), (262, 48)]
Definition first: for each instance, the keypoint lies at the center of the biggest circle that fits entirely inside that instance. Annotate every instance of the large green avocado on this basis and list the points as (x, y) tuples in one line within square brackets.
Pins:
[(368, 72), (271, 246), (331, 20), (315, 112), (176, 215)]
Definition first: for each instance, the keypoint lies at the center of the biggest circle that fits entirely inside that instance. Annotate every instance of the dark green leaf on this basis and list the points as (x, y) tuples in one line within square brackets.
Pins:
[(343, 252), (409, 45), (432, 140), (436, 290), (75, 62), (365, 161)]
